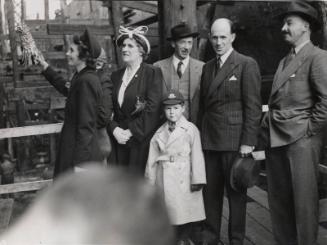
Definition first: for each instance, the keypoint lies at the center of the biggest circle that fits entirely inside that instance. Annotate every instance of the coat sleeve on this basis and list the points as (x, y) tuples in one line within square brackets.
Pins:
[(198, 173), (106, 105), (87, 106), (251, 102), (56, 80), (151, 166), (318, 80), (148, 120)]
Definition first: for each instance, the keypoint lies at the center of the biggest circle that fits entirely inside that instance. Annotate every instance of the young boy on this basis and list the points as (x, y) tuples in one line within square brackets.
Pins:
[(176, 165)]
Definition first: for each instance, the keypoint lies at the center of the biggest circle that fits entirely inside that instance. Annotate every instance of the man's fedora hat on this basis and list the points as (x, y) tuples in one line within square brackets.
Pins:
[(244, 173), (305, 11), (181, 31)]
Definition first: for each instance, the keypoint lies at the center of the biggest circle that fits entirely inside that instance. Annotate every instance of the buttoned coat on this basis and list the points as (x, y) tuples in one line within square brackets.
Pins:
[(230, 103), (168, 70), (145, 86), (78, 139), (298, 100), (175, 162)]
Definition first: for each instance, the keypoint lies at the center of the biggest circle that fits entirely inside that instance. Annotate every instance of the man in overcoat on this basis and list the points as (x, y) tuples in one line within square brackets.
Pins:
[(182, 72), (229, 119), (296, 117)]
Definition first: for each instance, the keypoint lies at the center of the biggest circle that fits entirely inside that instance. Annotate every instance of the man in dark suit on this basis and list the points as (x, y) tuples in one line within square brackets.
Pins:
[(182, 72), (229, 119), (297, 114)]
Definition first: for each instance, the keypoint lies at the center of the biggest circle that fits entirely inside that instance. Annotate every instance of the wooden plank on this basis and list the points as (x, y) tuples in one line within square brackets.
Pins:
[(259, 195), (24, 186), (255, 232), (6, 207), (143, 6), (30, 130), (259, 214), (69, 29)]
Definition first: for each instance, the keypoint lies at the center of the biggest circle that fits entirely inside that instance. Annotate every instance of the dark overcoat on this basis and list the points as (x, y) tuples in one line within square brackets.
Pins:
[(78, 141), (146, 86)]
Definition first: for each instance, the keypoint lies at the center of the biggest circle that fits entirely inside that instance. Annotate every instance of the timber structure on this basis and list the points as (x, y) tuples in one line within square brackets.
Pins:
[(31, 111)]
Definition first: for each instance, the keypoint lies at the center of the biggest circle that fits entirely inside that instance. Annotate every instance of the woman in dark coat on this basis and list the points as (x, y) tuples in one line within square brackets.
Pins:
[(137, 93), (84, 114)]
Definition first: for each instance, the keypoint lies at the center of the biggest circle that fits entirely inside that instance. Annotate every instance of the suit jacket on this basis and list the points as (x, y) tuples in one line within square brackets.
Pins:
[(146, 86), (230, 103), (166, 66), (78, 139), (298, 100)]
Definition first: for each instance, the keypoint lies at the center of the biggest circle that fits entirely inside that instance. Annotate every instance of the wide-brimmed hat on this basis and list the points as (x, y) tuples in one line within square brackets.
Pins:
[(244, 173), (173, 97), (305, 11), (91, 42), (181, 31)]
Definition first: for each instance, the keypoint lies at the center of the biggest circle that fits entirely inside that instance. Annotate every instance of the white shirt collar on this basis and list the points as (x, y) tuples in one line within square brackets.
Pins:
[(225, 56), (185, 62), (299, 47)]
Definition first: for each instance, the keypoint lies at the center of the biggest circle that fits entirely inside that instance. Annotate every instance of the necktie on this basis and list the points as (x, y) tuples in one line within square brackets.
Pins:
[(179, 69), (289, 58), (218, 65), (171, 126)]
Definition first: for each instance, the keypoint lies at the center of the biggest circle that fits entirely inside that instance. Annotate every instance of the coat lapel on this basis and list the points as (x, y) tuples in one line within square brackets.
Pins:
[(283, 75), (178, 132), (194, 69), (227, 68), (167, 70)]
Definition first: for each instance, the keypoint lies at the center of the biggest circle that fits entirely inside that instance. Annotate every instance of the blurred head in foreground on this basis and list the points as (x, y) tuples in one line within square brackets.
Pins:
[(96, 206)]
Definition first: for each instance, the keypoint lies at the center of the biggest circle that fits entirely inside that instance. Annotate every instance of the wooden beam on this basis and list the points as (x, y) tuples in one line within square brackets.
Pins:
[(9, 11), (69, 29), (46, 10), (116, 19), (143, 6), (171, 13), (30, 130), (24, 186)]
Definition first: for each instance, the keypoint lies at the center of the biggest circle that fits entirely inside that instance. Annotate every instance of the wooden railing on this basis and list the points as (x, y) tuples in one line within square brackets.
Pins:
[(22, 132), (40, 130)]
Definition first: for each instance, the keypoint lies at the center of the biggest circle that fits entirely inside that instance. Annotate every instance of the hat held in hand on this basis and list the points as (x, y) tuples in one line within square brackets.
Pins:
[(244, 173)]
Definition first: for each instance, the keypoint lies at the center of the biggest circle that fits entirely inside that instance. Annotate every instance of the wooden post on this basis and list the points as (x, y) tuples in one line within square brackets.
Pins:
[(116, 19), (171, 13), (205, 29), (23, 10), (323, 11), (10, 15), (46, 10), (2, 41)]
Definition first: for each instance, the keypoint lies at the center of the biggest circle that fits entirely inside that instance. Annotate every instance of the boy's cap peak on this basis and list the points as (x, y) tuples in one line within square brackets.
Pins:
[(173, 97)]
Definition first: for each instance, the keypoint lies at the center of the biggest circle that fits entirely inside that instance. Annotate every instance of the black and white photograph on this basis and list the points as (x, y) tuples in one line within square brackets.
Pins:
[(168, 122)]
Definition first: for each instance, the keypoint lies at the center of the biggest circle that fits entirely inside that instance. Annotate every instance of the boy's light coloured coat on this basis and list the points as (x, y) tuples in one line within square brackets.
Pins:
[(175, 162)]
